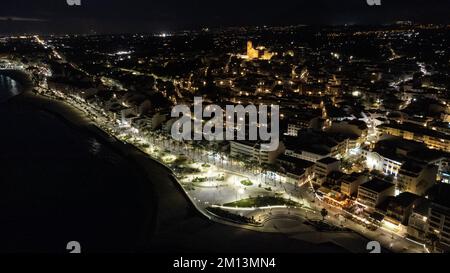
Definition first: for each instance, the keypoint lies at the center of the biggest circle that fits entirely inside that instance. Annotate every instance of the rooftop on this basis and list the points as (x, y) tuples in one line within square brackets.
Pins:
[(440, 194), (377, 185), (416, 129), (404, 199), (411, 168), (299, 163), (328, 160)]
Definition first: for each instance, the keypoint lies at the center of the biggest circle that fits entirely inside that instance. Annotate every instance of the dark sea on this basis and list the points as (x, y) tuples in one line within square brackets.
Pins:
[(8, 88), (59, 185)]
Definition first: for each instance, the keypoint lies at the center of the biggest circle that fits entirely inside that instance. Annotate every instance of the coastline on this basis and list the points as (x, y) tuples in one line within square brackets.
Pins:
[(72, 119), (174, 208), (20, 77)]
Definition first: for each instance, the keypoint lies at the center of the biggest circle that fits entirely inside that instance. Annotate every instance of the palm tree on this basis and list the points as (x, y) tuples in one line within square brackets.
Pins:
[(433, 238), (254, 166), (237, 161), (214, 155), (264, 170), (151, 137), (247, 164), (272, 168), (324, 213), (196, 148), (222, 158), (233, 160), (217, 152)]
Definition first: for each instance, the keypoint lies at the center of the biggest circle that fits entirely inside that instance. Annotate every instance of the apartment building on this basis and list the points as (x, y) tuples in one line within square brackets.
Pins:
[(374, 192), (416, 178), (253, 151)]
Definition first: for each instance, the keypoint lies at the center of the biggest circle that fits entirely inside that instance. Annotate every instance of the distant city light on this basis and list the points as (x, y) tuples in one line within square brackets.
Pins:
[(163, 35)]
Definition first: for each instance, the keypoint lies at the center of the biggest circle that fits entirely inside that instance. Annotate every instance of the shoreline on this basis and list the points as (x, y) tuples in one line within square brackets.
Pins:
[(20, 77), (23, 81), (77, 121), (167, 214)]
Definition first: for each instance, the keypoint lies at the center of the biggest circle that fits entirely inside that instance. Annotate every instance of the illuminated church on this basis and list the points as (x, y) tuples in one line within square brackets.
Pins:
[(260, 53)]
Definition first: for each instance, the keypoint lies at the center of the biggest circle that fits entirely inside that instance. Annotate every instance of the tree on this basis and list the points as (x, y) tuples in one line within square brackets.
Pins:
[(234, 159), (222, 158), (324, 213), (265, 169), (433, 238)]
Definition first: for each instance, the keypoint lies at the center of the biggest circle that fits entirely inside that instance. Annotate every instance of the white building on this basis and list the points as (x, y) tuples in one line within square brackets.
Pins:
[(325, 166), (293, 129), (376, 161), (150, 123), (253, 151), (312, 155)]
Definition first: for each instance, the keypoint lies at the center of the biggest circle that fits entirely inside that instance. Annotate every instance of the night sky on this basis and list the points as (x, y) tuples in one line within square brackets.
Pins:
[(132, 16)]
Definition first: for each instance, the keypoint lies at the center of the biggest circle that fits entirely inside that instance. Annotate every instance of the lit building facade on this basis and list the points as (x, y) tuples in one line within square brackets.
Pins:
[(260, 52), (416, 178), (375, 161), (410, 131), (374, 192), (253, 151), (439, 223)]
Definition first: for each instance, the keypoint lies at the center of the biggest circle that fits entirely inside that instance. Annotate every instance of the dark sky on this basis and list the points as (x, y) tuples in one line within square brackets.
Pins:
[(119, 16)]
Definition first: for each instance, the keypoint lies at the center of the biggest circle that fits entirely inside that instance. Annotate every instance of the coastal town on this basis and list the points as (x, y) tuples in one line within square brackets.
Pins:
[(364, 122)]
